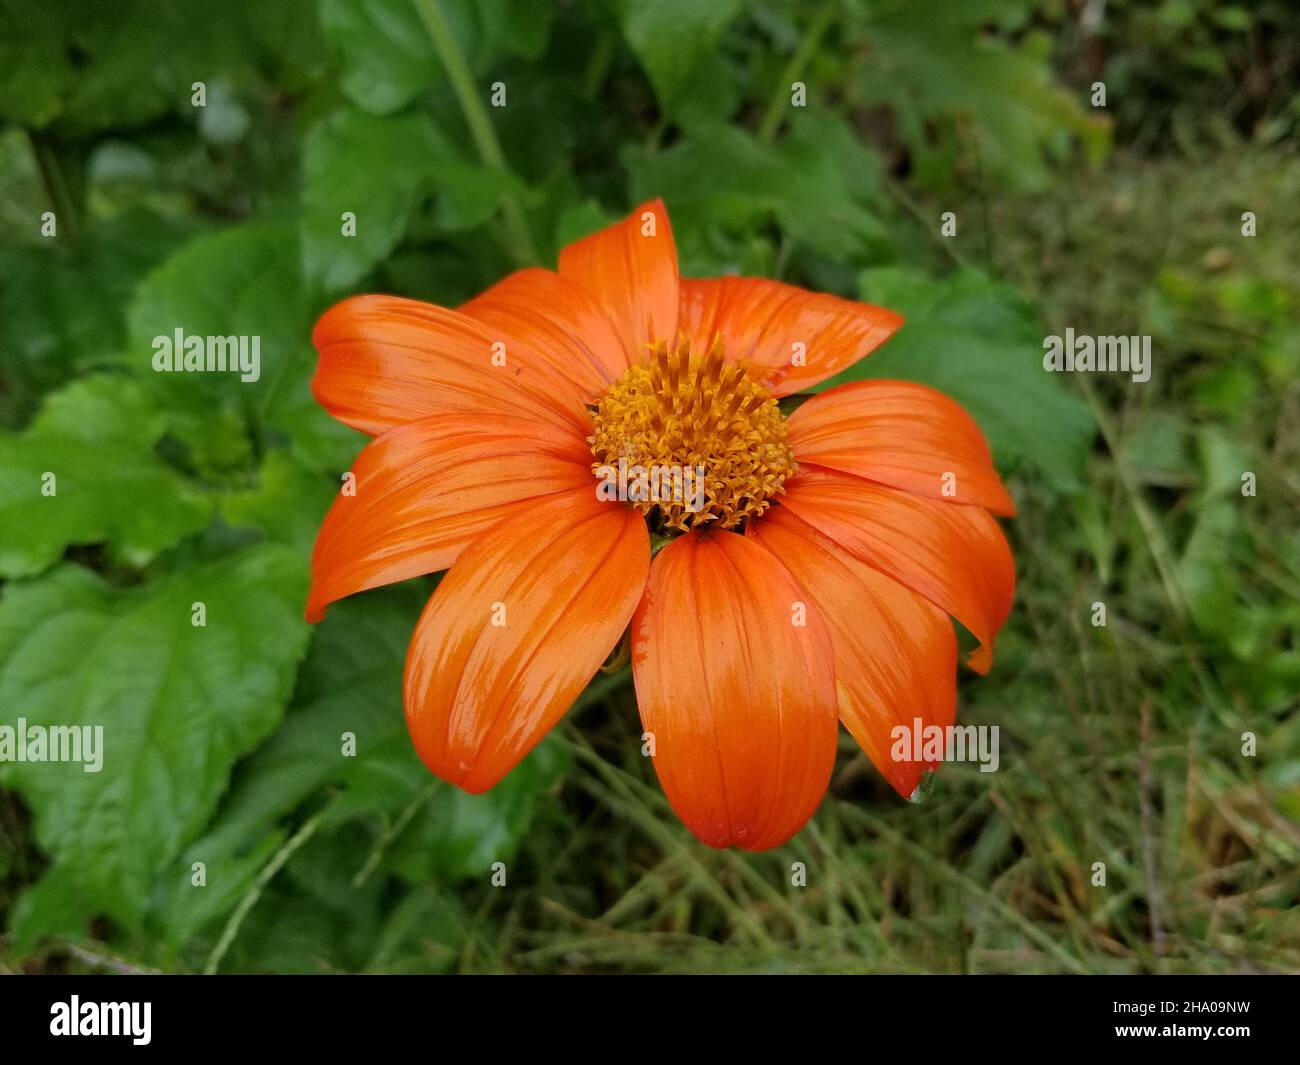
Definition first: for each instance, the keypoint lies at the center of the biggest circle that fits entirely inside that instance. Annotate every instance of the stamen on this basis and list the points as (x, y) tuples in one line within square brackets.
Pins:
[(682, 412)]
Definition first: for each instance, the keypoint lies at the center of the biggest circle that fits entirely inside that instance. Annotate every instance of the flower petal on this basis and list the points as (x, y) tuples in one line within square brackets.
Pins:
[(560, 322), (895, 652), (386, 361), (904, 435), (793, 337), (740, 698), (630, 268), (425, 490), (517, 628), (954, 555)]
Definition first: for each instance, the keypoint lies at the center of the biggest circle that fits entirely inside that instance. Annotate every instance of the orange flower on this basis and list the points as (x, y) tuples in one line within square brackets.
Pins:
[(811, 581)]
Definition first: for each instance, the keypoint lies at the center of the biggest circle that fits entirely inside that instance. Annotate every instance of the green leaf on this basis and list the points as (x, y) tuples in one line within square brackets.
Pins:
[(387, 57), (456, 835), (950, 84), (519, 28), (178, 704), (85, 472), (36, 69), (92, 66), (373, 168), (288, 41), (980, 342), (157, 38), (55, 906), (713, 95), (63, 312), (351, 684), (378, 169), (241, 282), (470, 194), (721, 184), (671, 37), (286, 505), (578, 221), (829, 198)]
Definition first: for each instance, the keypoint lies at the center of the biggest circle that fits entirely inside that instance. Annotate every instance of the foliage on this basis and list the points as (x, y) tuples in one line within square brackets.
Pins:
[(174, 490)]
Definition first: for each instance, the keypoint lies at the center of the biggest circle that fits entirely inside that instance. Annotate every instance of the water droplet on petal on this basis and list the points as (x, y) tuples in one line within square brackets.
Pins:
[(924, 789)]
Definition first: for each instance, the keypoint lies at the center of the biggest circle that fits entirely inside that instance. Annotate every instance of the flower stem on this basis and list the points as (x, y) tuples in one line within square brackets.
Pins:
[(56, 187), (598, 66), (518, 236), (249, 900), (781, 99)]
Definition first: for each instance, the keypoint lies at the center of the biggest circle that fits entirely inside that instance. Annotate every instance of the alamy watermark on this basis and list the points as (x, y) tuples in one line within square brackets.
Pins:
[(77, 1018), (919, 742), (652, 484), (1089, 354), (53, 743), (199, 354)]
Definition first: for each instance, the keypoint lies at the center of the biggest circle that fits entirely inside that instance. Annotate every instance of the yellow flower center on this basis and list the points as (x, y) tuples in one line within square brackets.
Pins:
[(692, 440)]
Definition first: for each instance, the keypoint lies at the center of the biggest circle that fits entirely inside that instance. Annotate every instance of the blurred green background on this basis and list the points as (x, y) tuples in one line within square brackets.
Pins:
[(1120, 744)]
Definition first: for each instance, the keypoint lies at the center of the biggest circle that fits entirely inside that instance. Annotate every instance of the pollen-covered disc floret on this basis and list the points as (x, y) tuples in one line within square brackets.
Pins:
[(683, 412)]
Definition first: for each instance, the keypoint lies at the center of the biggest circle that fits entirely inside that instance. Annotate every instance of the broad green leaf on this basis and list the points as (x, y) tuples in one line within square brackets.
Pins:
[(241, 282), (470, 194), (388, 59), (286, 504), (64, 311), (386, 56), (377, 168), (351, 684), (85, 472), (178, 704), (159, 37), (671, 37), (90, 66), (372, 168), (55, 906), (979, 342)]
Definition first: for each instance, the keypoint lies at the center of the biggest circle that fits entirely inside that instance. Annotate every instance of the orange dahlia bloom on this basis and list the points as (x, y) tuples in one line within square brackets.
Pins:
[(810, 582)]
